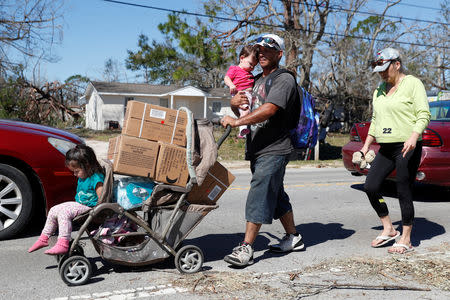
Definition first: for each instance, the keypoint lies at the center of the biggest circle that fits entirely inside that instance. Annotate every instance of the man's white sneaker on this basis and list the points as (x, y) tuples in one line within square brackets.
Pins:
[(241, 256), (290, 242)]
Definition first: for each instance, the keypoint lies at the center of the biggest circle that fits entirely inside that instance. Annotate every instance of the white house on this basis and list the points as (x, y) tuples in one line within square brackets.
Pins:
[(106, 101)]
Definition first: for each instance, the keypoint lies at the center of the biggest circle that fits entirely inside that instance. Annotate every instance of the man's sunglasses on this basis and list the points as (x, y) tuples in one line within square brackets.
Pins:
[(269, 41), (380, 62)]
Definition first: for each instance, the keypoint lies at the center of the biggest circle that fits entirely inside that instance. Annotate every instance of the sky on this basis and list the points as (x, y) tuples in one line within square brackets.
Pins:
[(95, 30)]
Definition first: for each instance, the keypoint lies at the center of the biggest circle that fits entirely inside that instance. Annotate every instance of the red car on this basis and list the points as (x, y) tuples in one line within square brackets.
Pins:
[(435, 162), (33, 175)]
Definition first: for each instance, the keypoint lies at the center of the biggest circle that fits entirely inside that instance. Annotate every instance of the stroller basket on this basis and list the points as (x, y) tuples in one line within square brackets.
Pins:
[(151, 249)]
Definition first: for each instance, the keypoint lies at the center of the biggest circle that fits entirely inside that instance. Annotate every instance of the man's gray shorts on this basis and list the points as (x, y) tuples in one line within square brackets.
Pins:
[(267, 199)]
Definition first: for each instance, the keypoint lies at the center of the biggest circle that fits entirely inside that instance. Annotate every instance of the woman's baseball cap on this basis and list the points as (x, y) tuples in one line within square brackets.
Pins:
[(271, 41), (384, 58)]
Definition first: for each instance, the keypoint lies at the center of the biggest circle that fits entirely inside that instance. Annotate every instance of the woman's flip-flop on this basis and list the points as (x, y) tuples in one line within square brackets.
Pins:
[(398, 245), (386, 239)]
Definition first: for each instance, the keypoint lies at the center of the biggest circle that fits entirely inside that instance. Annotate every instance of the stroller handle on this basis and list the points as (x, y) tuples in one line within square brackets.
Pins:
[(217, 121)]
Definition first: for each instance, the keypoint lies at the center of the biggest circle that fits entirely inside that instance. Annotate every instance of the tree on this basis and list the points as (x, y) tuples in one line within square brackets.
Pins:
[(188, 56), (28, 28), (47, 103), (157, 62), (301, 23), (111, 70), (346, 77), (74, 88)]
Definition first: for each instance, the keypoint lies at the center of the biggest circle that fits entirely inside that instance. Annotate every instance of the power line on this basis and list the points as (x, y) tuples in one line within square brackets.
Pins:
[(387, 16), (341, 9), (409, 4), (268, 25)]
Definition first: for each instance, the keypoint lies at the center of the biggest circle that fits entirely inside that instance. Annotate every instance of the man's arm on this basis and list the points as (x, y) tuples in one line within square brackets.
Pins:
[(259, 115)]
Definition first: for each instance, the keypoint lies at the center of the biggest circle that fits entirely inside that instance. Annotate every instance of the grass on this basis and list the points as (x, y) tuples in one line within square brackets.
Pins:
[(329, 152), (233, 149), (99, 135)]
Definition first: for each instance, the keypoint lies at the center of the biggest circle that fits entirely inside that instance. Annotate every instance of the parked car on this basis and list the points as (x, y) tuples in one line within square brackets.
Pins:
[(435, 162), (33, 175)]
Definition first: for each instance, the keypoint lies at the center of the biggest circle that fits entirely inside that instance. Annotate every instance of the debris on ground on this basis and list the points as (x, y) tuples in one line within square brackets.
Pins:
[(415, 271)]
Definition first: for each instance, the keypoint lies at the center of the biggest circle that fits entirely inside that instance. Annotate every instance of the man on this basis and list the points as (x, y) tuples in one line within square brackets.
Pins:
[(268, 146)]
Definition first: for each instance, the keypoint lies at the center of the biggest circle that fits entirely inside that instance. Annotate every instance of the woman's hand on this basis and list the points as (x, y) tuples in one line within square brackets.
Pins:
[(367, 143), (364, 150), (410, 143)]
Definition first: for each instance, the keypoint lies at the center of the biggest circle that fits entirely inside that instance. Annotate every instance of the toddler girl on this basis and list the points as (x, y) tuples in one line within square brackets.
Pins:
[(82, 161), (240, 78)]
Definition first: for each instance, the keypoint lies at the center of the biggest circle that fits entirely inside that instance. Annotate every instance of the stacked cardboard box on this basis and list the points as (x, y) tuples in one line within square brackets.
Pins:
[(215, 184), (152, 144), (171, 167), (155, 123), (133, 156)]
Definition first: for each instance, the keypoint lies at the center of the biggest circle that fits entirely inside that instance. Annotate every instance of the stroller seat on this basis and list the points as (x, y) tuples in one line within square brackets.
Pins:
[(106, 195)]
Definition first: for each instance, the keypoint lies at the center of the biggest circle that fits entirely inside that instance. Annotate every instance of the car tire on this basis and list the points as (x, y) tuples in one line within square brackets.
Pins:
[(16, 201)]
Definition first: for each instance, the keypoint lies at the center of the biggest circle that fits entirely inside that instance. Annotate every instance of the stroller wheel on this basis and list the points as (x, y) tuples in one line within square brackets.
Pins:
[(189, 259), (75, 270)]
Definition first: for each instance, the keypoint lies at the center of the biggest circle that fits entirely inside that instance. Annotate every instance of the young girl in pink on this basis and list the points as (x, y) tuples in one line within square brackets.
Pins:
[(240, 78), (82, 161)]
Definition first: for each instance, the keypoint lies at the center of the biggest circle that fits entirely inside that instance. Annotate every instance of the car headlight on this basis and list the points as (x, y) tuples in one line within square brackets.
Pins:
[(61, 145)]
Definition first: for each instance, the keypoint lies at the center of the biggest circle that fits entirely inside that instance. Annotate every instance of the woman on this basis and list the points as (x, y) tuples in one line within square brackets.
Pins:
[(400, 115)]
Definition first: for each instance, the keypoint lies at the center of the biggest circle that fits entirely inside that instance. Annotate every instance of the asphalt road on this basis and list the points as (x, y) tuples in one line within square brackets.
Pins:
[(330, 210)]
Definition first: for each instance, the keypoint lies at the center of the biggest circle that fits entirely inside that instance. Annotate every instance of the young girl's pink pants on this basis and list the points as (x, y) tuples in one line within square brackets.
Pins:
[(60, 216)]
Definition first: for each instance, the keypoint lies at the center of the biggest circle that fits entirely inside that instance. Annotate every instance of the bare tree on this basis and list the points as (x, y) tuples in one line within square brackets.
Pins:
[(28, 28), (47, 103), (345, 76), (111, 71), (301, 23)]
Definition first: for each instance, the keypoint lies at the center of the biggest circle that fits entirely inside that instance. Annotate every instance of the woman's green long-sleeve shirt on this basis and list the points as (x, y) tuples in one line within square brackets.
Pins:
[(395, 117)]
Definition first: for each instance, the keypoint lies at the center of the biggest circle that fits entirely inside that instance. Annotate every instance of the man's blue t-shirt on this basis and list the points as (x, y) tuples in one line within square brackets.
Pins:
[(86, 194)]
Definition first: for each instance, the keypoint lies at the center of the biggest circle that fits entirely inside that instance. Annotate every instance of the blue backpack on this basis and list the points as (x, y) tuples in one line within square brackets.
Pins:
[(304, 122)]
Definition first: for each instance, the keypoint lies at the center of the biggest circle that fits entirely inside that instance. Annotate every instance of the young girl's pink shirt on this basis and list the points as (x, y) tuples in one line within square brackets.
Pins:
[(242, 79)]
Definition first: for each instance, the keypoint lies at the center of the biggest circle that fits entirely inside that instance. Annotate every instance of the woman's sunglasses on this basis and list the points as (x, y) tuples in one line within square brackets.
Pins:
[(380, 62), (269, 41)]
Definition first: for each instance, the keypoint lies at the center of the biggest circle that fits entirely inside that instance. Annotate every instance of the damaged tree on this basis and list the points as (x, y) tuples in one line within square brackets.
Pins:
[(301, 23), (28, 28), (49, 103)]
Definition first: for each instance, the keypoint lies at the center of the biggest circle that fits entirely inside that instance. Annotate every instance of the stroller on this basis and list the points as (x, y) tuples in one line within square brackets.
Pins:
[(159, 226)]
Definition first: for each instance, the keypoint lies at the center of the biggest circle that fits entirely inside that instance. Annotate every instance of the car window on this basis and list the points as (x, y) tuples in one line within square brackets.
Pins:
[(440, 110)]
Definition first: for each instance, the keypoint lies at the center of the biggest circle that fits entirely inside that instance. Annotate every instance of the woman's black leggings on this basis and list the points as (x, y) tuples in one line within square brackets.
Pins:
[(389, 157)]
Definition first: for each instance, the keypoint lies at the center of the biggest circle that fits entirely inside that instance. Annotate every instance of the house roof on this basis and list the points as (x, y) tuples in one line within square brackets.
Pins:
[(148, 89)]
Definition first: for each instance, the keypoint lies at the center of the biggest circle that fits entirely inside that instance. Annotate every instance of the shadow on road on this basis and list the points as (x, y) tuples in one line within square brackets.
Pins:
[(216, 246), (318, 233), (423, 229)]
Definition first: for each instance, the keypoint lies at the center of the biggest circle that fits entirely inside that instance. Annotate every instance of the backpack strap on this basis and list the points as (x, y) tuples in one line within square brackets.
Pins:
[(271, 77)]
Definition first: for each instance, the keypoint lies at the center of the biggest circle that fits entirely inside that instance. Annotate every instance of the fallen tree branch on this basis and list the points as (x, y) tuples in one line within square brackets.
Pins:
[(328, 287)]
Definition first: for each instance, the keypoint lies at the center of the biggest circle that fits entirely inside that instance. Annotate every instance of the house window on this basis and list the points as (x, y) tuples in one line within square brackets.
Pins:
[(126, 102), (216, 107), (163, 102)]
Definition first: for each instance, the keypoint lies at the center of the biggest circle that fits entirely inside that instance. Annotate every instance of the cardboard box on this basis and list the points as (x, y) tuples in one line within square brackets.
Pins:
[(171, 167), (155, 123), (133, 156), (215, 184)]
